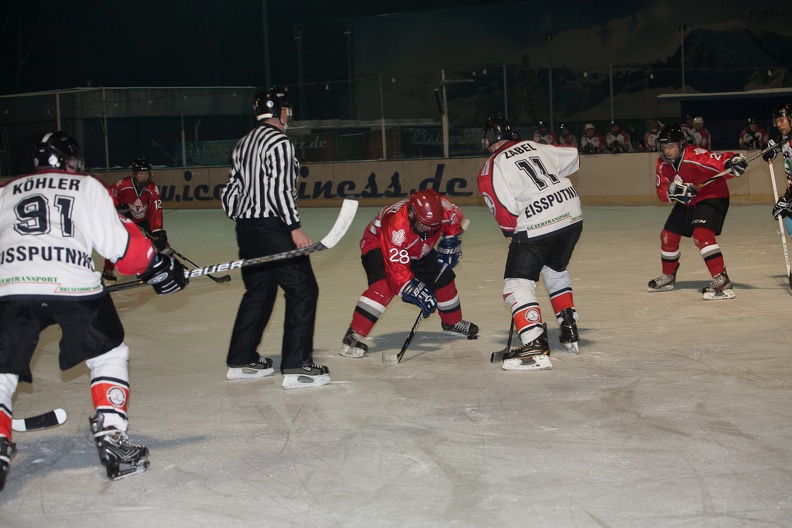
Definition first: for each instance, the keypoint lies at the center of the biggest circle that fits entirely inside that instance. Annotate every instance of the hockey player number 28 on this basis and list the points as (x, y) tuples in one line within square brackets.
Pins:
[(528, 169), (33, 215)]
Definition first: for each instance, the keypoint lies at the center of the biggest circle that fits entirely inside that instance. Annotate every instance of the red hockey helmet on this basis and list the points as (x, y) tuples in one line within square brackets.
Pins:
[(425, 212)]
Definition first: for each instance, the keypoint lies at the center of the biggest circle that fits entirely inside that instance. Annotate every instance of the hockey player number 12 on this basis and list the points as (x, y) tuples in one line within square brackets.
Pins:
[(528, 169)]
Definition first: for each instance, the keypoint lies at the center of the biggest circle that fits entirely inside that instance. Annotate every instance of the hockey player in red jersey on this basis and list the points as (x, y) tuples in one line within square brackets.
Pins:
[(399, 256), (50, 223), (526, 187), (699, 208), (138, 198)]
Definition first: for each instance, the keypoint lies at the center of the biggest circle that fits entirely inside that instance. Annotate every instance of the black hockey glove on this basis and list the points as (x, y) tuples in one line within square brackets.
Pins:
[(783, 206), (771, 154), (165, 274), (738, 164), (682, 192), (160, 239), (417, 293), (450, 251), (123, 209)]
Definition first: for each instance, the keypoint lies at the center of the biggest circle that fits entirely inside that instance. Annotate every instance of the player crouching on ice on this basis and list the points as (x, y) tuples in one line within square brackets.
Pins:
[(685, 178), (527, 189), (50, 223), (399, 256)]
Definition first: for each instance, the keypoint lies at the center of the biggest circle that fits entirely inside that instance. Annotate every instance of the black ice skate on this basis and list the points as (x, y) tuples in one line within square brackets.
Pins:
[(462, 329), (122, 458), (569, 336), (7, 449), (719, 288), (108, 275), (305, 377), (353, 345), (257, 369), (663, 282), (531, 356)]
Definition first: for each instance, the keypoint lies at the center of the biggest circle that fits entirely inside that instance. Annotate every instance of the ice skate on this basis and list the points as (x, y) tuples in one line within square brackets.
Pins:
[(108, 275), (719, 288), (7, 449), (531, 356), (304, 377), (462, 329), (121, 458), (353, 345), (569, 336), (662, 283), (258, 369)]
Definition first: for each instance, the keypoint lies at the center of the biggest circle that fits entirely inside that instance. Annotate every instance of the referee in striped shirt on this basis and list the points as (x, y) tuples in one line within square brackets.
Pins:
[(260, 196)]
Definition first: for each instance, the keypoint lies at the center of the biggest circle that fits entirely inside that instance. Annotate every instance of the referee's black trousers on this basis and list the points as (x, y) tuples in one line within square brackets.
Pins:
[(267, 236)]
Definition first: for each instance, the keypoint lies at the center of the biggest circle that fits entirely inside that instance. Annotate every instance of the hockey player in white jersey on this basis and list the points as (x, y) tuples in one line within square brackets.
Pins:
[(50, 223), (526, 188)]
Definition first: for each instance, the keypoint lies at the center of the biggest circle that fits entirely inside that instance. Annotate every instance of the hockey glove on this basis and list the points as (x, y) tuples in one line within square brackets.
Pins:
[(123, 209), (783, 206), (738, 165), (450, 251), (160, 239), (165, 274), (417, 293), (771, 154), (682, 192)]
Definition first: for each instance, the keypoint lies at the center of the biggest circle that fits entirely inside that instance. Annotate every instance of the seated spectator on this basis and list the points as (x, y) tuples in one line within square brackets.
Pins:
[(617, 140), (544, 135), (753, 137), (591, 142), (701, 136), (567, 138)]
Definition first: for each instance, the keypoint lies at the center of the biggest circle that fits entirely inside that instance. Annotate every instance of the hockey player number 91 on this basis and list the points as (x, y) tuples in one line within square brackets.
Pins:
[(33, 215)]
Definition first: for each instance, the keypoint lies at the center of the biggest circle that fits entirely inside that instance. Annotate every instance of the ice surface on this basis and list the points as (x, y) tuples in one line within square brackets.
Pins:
[(676, 413)]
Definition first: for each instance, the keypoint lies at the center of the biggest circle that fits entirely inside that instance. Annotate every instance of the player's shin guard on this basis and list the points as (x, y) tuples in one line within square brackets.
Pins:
[(520, 296), (710, 250), (370, 307), (669, 251), (110, 386), (448, 306), (8, 385)]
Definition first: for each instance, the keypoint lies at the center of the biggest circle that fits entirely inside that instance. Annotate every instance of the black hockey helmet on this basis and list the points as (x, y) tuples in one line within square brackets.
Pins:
[(58, 150), (784, 110), (425, 212), (141, 165), (671, 134), (497, 129), (269, 103)]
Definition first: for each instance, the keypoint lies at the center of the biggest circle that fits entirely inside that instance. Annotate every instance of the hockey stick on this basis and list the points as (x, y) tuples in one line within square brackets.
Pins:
[(498, 356), (781, 228), (339, 229), (342, 223), (748, 160), (221, 279), (42, 421), (417, 322)]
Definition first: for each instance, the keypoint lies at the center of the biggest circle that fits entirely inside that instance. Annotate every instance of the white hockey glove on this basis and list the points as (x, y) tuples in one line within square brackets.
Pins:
[(738, 165), (682, 192)]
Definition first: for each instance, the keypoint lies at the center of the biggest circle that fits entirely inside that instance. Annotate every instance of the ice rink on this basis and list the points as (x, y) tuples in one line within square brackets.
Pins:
[(676, 413)]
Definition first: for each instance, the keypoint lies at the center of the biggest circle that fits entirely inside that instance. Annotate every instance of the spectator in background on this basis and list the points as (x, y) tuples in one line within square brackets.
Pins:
[(753, 136), (544, 135), (591, 142), (701, 136), (650, 138), (567, 138), (687, 129), (617, 140)]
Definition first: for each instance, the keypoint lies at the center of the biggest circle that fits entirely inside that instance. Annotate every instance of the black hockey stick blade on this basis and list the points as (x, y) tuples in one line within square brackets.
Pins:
[(498, 356), (42, 421), (339, 229), (125, 285)]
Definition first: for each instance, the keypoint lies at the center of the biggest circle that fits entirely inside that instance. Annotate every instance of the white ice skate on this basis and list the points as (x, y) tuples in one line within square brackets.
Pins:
[(305, 377)]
